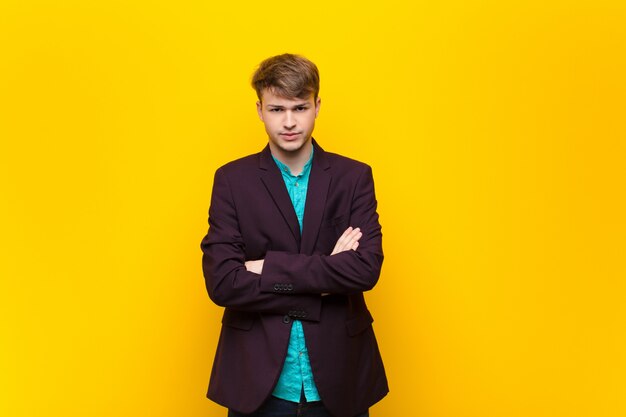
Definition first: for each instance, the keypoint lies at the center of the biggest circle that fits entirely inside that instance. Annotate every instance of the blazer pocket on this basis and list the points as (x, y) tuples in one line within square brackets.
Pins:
[(359, 323), (238, 319)]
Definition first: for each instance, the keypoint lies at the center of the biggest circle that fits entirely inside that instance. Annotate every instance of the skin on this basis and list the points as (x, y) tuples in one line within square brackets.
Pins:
[(289, 124)]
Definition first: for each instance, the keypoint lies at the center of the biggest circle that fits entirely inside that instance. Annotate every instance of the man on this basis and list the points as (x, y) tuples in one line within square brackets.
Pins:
[(293, 243)]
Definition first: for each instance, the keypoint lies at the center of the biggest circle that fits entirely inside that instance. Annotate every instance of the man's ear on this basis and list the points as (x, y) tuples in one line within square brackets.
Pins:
[(259, 109), (318, 104)]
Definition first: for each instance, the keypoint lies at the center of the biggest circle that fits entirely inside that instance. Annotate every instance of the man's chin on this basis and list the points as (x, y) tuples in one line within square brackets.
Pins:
[(292, 146)]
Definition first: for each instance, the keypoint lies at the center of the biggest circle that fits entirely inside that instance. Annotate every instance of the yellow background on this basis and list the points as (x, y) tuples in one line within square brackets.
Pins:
[(496, 132)]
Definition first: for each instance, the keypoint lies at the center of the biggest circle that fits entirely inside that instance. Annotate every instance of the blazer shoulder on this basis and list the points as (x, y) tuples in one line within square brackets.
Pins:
[(241, 165), (344, 164)]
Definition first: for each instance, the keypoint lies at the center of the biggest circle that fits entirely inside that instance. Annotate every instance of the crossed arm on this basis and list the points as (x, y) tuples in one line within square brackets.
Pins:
[(349, 240)]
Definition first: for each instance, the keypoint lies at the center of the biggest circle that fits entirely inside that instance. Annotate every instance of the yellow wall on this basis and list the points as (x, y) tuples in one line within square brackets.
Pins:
[(496, 131)]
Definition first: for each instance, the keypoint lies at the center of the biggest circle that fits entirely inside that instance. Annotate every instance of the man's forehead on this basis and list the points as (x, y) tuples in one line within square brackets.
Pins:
[(271, 99)]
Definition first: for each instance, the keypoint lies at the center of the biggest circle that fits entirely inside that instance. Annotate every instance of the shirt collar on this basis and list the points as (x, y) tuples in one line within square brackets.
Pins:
[(285, 169)]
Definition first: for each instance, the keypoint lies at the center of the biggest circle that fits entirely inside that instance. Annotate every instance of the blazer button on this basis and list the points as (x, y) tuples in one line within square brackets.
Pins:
[(289, 287), (286, 319), (276, 287)]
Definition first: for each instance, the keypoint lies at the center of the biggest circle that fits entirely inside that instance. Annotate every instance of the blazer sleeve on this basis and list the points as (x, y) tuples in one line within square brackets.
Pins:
[(343, 273), (228, 282)]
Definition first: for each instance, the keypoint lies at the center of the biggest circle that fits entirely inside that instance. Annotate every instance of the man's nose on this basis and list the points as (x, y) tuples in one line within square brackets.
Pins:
[(290, 120)]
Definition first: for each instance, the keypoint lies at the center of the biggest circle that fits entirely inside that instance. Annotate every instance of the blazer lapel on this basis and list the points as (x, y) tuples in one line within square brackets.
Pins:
[(273, 181), (319, 182)]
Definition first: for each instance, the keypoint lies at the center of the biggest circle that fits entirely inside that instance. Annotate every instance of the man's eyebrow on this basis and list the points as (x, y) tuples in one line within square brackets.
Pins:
[(295, 105)]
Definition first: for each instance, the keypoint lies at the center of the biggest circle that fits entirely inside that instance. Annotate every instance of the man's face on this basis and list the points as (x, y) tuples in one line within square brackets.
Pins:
[(288, 122)]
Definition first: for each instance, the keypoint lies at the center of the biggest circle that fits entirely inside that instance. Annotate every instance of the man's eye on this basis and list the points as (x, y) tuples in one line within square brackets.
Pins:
[(300, 108), (275, 110)]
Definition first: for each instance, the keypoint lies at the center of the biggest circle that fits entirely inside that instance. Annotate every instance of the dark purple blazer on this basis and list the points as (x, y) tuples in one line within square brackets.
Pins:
[(252, 217)]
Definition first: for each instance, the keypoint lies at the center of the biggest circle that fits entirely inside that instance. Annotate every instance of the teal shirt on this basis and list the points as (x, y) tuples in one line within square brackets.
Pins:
[(296, 374)]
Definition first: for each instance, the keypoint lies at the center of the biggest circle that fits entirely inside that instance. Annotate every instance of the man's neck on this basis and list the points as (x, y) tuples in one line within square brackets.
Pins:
[(294, 160)]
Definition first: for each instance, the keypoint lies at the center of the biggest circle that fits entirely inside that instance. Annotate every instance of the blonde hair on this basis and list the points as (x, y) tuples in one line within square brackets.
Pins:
[(287, 75)]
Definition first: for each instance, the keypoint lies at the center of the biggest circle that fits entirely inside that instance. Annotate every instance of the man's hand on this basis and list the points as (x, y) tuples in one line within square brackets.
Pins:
[(255, 266), (349, 240)]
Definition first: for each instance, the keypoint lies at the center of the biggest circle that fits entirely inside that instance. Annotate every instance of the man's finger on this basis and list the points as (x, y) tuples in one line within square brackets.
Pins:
[(347, 240)]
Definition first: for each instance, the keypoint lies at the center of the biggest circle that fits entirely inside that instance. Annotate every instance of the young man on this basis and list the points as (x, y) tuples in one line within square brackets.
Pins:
[(293, 243)]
